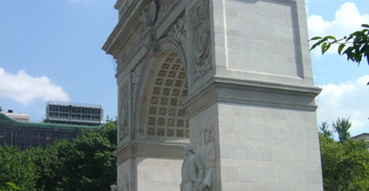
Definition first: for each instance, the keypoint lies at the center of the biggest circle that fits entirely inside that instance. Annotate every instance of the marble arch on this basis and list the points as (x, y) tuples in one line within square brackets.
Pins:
[(233, 78)]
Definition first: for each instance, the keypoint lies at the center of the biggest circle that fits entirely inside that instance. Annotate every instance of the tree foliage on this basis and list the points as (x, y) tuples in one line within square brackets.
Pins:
[(355, 46), (324, 130), (17, 170), (345, 165), (341, 127), (86, 163)]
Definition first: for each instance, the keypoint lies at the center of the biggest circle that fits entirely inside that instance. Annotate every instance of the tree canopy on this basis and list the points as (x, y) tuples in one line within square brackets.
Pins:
[(17, 170), (345, 163), (86, 163)]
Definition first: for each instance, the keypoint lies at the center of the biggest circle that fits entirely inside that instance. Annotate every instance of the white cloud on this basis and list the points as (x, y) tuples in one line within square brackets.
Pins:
[(349, 99), (24, 88), (347, 19)]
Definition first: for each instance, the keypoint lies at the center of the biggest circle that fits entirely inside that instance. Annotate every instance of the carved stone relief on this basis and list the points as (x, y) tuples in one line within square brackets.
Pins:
[(136, 76), (165, 7), (200, 39), (179, 32), (123, 111), (136, 79), (150, 13), (137, 39), (205, 151), (192, 171), (125, 183), (207, 155), (154, 11)]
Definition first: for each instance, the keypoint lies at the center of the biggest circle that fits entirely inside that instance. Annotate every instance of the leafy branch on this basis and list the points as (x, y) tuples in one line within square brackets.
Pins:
[(355, 46)]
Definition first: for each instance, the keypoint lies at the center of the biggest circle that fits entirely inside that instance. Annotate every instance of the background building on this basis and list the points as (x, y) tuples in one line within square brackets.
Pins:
[(16, 116), (362, 136), (74, 113), (25, 134)]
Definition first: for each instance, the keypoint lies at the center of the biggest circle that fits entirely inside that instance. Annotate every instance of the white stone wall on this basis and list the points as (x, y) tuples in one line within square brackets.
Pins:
[(124, 175), (265, 148), (158, 174), (263, 40)]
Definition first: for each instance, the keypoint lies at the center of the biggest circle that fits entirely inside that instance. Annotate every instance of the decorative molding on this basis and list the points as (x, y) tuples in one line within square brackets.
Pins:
[(251, 93), (139, 30), (149, 149), (136, 91), (123, 111), (137, 37), (150, 13), (179, 32), (199, 16), (165, 7), (136, 77)]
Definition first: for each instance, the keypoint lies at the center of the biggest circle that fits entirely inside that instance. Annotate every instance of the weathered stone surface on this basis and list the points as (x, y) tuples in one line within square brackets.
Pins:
[(233, 78)]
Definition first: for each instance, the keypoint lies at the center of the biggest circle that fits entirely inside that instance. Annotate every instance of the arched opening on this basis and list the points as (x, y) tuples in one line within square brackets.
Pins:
[(163, 116)]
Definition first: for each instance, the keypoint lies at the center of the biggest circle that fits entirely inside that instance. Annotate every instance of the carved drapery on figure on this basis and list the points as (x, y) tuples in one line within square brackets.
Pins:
[(192, 171), (125, 184), (201, 41), (123, 112), (123, 187), (205, 153)]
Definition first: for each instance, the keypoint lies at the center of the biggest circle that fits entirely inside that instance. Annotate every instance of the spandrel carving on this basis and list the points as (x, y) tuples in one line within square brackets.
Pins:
[(150, 13), (178, 31), (200, 27)]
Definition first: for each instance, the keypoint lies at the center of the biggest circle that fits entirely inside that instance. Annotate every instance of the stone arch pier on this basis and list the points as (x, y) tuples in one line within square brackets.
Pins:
[(231, 78)]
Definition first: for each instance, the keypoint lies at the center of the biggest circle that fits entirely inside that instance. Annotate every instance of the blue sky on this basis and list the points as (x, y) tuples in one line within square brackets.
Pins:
[(51, 50)]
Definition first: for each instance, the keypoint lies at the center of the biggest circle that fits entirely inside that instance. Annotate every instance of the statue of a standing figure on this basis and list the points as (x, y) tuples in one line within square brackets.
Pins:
[(192, 171)]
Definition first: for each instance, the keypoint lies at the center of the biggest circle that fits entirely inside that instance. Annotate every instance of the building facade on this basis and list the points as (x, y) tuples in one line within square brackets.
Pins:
[(74, 113), (362, 136), (17, 116), (26, 134)]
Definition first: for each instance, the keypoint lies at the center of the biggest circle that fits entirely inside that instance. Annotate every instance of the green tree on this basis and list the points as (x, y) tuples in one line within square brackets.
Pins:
[(345, 165), (355, 46), (10, 186), (341, 127), (50, 163), (17, 170), (86, 163), (324, 130)]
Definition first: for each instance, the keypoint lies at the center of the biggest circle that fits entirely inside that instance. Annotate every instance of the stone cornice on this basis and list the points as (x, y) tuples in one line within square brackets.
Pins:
[(119, 37), (311, 90), (252, 93), (116, 36), (149, 149), (118, 5)]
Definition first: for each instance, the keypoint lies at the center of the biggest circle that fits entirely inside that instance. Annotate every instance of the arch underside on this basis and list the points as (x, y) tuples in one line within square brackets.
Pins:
[(165, 116)]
